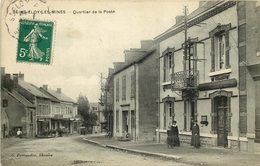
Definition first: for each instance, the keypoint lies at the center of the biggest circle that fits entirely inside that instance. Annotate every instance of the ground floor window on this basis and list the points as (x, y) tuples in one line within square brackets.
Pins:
[(168, 112), (190, 113), (117, 121)]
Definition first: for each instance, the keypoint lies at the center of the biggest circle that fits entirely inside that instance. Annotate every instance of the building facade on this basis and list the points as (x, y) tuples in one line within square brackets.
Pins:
[(63, 111), (98, 109), (16, 111), (37, 111), (204, 75), (109, 102), (135, 93)]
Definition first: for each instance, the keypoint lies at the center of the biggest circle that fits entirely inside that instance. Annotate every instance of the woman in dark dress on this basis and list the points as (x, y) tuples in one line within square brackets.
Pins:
[(175, 134), (195, 138)]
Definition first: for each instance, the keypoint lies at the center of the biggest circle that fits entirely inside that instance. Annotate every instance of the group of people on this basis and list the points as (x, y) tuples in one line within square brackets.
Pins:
[(173, 135)]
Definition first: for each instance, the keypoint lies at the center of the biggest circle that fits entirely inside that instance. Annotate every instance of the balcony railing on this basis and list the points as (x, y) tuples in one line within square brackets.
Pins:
[(185, 80)]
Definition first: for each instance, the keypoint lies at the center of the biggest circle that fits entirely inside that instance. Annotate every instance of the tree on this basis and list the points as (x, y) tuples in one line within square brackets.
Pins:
[(88, 119)]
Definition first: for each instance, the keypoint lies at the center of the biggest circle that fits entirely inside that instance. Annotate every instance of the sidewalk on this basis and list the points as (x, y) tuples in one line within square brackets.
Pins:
[(214, 156)]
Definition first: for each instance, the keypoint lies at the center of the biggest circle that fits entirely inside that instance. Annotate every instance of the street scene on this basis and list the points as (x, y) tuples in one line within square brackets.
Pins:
[(100, 150), (130, 83), (72, 151)]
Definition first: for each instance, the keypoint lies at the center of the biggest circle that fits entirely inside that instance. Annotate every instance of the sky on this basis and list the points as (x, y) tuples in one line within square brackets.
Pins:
[(86, 45)]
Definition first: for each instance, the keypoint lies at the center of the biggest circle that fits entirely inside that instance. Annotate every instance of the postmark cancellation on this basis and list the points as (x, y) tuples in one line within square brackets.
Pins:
[(35, 41)]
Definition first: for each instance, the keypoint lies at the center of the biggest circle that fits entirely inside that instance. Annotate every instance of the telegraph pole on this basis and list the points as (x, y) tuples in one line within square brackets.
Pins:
[(185, 36)]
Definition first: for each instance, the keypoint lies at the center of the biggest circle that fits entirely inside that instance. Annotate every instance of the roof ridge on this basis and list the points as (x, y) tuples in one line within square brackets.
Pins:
[(10, 93)]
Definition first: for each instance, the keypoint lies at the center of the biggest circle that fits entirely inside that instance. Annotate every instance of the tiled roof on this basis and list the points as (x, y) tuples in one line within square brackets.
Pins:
[(32, 89), (60, 96), (20, 98), (49, 95)]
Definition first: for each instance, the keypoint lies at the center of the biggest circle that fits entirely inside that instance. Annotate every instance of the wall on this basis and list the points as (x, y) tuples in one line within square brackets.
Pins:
[(18, 114), (148, 94), (129, 102)]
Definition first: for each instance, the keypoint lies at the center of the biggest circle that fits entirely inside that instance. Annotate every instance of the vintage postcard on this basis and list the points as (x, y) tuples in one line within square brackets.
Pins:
[(149, 82)]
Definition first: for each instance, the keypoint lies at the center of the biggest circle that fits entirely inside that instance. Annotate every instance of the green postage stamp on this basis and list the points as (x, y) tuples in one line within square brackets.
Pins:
[(35, 41)]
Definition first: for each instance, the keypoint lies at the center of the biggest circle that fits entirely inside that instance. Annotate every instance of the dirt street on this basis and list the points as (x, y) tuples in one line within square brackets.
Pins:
[(71, 150)]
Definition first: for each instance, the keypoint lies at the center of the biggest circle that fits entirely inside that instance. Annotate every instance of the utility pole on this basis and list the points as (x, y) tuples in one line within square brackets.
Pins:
[(185, 36)]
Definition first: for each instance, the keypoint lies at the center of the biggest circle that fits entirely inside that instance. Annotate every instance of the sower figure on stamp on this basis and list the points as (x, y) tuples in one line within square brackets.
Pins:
[(195, 138), (175, 134), (32, 37)]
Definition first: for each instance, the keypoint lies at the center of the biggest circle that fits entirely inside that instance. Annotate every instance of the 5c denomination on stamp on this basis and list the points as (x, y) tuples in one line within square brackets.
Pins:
[(35, 41)]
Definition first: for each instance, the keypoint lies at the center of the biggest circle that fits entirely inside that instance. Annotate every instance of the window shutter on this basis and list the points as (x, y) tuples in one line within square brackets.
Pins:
[(227, 49), (212, 54), (164, 68)]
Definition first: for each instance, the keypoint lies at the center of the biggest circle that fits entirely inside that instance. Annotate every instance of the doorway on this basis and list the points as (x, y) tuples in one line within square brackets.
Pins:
[(125, 121), (222, 120)]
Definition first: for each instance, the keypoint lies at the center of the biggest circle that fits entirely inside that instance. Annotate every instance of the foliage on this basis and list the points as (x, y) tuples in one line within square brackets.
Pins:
[(88, 118)]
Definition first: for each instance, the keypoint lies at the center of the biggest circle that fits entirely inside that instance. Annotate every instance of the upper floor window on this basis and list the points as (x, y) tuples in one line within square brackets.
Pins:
[(117, 89), (4, 103), (220, 47), (133, 84), (124, 87), (168, 64)]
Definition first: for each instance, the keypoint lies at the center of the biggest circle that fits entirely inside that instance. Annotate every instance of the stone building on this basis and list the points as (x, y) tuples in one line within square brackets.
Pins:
[(135, 93), (63, 110), (16, 110), (98, 109), (209, 71)]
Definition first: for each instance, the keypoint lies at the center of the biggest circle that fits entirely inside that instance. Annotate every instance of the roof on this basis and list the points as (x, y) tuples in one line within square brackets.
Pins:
[(32, 89), (148, 53), (60, 96), (209, 5), (53, 99), (20, 98)]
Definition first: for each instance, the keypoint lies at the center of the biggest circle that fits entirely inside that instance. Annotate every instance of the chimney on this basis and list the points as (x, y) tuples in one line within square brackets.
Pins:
[(146, 44), (179, 19), (45, 87), (59, 90), (110, 71), (118, 65), (15, 80), (20, 76), (2, 71)]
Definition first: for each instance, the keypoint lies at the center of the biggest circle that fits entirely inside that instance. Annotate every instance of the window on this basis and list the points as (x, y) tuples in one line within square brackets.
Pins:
[(132, 84), (168, 114), (39, 109), (190, 114), (220, 51), (31, 117), (5, 103), (117, 121), (117, 89), (124, 87), (220, 47), (168, 111), (168, 64)]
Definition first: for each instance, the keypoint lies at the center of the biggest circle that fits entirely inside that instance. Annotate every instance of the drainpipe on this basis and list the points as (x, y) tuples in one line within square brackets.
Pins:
[(135, 103), (158, 120), (238, 135)]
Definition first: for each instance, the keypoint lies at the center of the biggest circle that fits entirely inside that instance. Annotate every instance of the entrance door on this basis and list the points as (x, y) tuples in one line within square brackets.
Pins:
[(222, 121), (125, 121), (31, 131), (133, 124)]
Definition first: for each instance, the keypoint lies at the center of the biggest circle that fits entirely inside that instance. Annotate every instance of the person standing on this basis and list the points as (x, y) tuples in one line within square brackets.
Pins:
[(175, 134), (19, 133), (195, 137)]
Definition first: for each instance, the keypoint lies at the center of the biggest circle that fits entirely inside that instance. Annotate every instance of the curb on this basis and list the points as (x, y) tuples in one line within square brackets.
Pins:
[(134, 150)]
